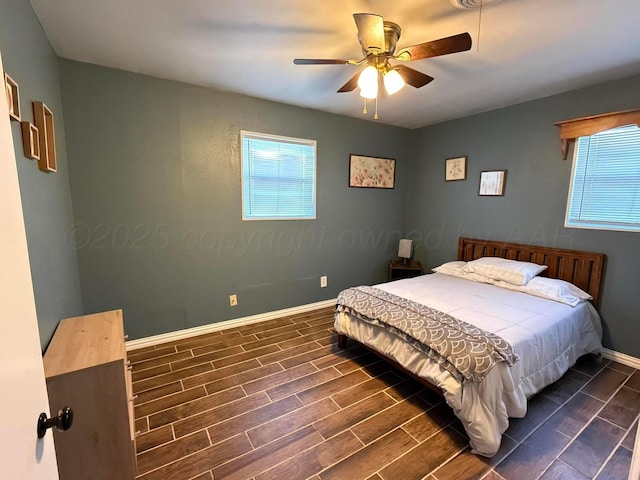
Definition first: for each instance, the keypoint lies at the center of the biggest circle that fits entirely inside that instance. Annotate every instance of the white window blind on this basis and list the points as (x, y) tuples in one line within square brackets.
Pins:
[(278, 177), (605, 182)]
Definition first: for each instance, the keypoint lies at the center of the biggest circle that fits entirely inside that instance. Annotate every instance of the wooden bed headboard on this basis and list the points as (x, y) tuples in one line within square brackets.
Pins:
[(583, 269)]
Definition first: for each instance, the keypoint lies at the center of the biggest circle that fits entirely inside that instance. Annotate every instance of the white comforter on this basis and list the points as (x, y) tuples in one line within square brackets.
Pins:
[(548, 336)]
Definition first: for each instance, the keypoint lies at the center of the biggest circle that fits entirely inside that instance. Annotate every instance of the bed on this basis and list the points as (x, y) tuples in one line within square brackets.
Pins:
[(533, 340)]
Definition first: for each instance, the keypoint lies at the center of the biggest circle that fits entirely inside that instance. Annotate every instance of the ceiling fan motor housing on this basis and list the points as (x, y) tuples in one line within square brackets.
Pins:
[(391, 36)]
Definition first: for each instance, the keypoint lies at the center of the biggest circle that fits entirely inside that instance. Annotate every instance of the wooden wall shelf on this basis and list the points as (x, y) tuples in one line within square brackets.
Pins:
[(44, 123), (13, 97), (30, 140)]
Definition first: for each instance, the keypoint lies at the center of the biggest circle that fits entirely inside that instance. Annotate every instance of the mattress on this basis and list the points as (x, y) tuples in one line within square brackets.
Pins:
[(548, 336)]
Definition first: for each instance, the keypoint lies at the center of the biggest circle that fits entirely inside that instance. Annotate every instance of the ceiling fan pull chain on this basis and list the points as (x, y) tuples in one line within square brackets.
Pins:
[(364, 110), (375, 115)]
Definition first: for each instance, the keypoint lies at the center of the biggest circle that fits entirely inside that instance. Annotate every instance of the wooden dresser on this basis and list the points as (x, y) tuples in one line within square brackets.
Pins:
[(86, 368)]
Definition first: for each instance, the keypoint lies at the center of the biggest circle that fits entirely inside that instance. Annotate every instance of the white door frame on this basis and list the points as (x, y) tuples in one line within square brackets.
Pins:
[(634, 473), (24, 394)]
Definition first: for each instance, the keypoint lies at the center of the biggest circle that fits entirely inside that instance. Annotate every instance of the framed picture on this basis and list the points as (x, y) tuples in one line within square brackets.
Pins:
[(371, 172), (30, 140), (43, 119), (455, 169), (13, 97), (492, 182)]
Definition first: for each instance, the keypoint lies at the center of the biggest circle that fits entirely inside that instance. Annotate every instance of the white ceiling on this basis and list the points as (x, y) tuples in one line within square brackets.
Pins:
[(527, 48)]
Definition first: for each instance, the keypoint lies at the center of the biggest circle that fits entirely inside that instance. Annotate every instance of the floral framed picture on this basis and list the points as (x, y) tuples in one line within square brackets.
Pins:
[(492, 183), (371, 172), (455, 169)]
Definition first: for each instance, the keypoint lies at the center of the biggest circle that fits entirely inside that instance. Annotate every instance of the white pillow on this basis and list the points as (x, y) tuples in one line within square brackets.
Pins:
[(549, 288), (458, 269), (510, 271), (451, 268), (555, 289)]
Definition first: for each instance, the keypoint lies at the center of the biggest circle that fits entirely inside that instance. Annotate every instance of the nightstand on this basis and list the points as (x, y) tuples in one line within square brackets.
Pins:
[(398, 269)]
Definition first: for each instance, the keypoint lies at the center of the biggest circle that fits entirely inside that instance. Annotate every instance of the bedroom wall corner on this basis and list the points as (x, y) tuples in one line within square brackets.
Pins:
[(155, 180), (46, 199), (523, 140)]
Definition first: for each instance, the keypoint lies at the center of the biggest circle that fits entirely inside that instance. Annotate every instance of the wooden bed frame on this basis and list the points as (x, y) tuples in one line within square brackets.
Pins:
[(583, 269)]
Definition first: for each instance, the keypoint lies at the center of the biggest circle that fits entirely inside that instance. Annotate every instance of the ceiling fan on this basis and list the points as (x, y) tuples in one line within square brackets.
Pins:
[(378, 39)]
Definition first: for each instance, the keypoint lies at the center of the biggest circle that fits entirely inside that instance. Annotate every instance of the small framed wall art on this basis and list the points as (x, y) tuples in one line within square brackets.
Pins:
[(13, 97), (455, 169), (30, 140), (371, 172), (44, 123), (492, 183)]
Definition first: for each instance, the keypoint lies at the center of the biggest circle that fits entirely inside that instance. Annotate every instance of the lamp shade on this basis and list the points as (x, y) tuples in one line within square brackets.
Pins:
[(393, 82), (404, 250), (368, 82)]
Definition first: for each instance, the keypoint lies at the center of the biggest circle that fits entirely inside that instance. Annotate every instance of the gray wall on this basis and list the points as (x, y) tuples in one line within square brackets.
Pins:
[(155, 177), (29, 59), (155, 181), (523, 140)]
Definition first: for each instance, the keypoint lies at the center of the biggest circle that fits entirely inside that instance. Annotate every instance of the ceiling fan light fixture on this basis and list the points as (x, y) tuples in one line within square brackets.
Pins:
[(378, 39), (369, 92), (368, 82), (393, 82)]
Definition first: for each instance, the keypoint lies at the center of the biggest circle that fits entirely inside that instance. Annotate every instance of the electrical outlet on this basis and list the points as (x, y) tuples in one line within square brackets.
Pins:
[(233, 300), (323, 281)]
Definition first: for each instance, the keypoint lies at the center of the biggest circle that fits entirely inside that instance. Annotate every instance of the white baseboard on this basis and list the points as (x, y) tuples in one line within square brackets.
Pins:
[(214, 327), (261, 317), (622, 358)]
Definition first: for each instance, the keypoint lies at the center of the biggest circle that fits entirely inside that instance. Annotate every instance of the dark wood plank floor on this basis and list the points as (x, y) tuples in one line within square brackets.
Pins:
[(279, 400)]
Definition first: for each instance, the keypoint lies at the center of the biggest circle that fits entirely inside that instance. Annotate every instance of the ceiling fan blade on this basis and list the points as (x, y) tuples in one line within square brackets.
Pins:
[(370, 31), (413, 77), (320, 61), (444, 46), (351, 84)]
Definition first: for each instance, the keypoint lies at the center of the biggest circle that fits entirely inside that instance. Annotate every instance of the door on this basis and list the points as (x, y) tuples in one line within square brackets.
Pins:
[(23, 393), (634, 472)]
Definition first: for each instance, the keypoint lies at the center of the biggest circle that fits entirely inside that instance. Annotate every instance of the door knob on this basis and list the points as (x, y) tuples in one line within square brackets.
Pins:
[(62, 422)]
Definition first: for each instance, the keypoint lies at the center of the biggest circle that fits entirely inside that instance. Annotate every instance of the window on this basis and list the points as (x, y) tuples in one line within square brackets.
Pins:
[(278, 177), (605, 182)]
